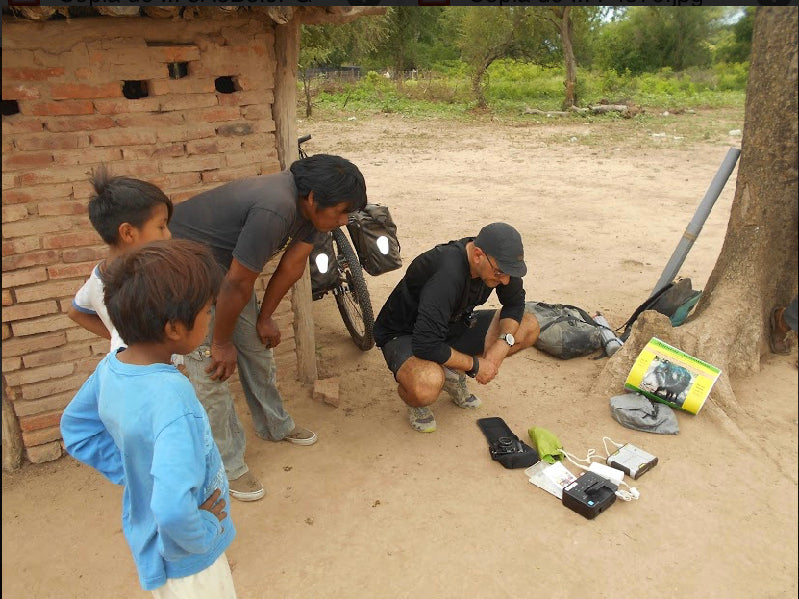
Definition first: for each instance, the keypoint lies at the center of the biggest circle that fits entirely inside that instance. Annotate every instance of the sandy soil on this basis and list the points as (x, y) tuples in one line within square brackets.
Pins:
[(377, 510)]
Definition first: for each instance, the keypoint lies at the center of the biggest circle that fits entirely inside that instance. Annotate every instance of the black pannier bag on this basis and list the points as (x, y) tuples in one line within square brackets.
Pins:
[(366, 227), (323, 281)]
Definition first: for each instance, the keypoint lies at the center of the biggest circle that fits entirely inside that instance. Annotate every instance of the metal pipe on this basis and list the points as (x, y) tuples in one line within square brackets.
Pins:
[(700, 216)]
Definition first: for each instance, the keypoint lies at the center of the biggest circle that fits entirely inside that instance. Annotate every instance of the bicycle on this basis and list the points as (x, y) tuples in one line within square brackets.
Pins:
[(346, 282)]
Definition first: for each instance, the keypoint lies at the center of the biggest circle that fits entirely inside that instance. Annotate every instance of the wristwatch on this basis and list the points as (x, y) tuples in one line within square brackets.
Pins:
[(475, 367), (508, 338)]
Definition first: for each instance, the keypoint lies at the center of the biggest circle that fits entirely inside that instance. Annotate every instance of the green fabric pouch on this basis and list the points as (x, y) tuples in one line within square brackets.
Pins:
[(547, 444)]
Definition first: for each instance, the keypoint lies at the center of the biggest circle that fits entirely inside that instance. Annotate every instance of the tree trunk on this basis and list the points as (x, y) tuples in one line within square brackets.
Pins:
[(757, 267), (568, 58), (477, 85)]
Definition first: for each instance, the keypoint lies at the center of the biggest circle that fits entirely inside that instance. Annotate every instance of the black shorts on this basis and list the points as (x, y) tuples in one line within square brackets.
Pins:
[(467, 340)]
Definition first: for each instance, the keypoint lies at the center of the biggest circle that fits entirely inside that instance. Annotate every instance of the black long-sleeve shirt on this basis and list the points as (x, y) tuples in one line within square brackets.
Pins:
[(436, 296)]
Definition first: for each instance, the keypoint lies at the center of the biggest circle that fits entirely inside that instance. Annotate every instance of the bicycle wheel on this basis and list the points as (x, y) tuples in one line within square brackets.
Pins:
[(352, 296)]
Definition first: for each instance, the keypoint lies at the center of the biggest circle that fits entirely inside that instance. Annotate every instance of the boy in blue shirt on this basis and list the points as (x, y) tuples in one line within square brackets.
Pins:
[(137, 421), (127, 213)]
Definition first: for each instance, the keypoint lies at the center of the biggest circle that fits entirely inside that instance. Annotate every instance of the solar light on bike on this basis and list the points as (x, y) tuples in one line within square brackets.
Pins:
[(382, 244), (322, 262)]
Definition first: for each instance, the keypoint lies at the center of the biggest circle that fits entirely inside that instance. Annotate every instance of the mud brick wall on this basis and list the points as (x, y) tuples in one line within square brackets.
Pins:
[(65, 113)]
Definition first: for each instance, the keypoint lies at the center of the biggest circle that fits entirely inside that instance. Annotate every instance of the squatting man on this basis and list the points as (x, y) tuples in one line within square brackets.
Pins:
[(431, 335)]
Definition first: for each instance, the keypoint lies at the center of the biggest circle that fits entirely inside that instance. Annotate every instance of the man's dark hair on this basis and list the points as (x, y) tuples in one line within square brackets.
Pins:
[(160, 282), (120, 200), (332, 179)]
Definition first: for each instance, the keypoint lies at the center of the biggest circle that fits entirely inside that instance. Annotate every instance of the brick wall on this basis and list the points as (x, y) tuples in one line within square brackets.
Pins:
[(185, 136)]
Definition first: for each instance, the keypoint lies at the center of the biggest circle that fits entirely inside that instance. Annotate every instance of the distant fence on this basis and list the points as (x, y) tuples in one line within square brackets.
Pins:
[(355, 73)]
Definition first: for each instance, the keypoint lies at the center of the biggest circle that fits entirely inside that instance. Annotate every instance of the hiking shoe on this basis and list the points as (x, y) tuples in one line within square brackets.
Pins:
[(246, 488), (455, 386), (422, 419), (778, 340), (301, 436)]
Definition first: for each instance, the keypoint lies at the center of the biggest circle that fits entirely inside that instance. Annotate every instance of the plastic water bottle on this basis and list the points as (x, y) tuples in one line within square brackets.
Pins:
[(611, 342)]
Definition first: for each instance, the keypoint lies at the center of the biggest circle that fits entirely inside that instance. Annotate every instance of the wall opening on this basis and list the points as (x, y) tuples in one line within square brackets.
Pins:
[(133, 90), (226, 84), (178, 70), (10, 107)]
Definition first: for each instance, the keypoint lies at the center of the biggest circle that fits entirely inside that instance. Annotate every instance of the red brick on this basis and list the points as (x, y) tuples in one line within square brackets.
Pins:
[(27, 345), (202, 146), (24, 277), (187, 101), (22, 328), (186, 194), (89, 365), (230, 174), (20, 124), (150, 119), (22, 311), (14, 212), (79, 334), (21, 91), (217, 114), (229, 144), (82, 190), (60, 271), (19, 161), (39, 438), (10, 180), (55, 175), (186, 133), (257, 112), (36, 194), (87, 156), (176, 180), (11, 364), (57, 356), (66, 91), (49, 290), (55, 108), (40, 421), (255, 81), (195, 163), (31, 74), (62, 208), (48, 452), (84, 254), (250, 158), (70, 240), (37, 406), (86, 123), (37, 375), (42, 225), (21, 245), (124, 137), (125, 105), (8, 299), (140, 169), (187, 85), (6, 331), (246, 98), (149, 152), (29, 259), (177, 53), (51, 141)]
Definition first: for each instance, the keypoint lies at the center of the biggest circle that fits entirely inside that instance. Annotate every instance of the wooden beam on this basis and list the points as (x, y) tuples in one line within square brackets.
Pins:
[(284, 113), (12, 437)]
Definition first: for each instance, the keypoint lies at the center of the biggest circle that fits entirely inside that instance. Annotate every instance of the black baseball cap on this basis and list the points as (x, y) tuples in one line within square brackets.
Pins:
[(504, 244)]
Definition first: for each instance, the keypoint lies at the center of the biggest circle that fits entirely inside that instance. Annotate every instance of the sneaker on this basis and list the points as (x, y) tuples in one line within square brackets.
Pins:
[(422, 419), (455, 386), (301, 436), (246, 488)]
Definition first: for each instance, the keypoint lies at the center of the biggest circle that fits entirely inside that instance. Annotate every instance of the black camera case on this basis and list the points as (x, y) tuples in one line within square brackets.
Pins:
[(505, 447)]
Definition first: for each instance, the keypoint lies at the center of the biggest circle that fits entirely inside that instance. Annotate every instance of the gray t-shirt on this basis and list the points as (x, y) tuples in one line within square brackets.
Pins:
[(250, 220)]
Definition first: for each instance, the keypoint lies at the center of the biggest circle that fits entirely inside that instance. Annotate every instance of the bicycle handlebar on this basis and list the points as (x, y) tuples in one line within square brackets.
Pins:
[(303, 139)]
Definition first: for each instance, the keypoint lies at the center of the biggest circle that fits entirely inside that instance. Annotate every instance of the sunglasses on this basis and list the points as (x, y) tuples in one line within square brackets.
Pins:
[(497, 273)]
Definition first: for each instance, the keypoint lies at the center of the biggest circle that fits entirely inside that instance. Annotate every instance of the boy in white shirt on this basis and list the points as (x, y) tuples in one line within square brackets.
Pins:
[(127, 213)]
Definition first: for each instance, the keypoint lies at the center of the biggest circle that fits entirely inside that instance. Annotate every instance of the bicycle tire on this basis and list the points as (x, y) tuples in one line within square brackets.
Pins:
[(352, 295)]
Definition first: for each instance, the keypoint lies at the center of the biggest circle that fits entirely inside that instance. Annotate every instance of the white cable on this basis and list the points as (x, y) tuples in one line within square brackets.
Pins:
[(605, 443)]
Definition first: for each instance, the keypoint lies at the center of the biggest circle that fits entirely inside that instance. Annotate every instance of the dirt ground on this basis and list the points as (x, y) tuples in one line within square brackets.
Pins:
[(375, 509)]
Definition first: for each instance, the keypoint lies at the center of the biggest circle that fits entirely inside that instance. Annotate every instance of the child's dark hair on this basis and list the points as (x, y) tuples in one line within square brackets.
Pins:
[(120, 200), (332, 179), (160, 282)]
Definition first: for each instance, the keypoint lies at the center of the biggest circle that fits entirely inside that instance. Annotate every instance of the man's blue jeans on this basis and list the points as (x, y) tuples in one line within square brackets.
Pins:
[(257, 373)]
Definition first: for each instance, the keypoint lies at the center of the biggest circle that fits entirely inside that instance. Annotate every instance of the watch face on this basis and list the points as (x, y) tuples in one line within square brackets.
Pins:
[(508, 339)]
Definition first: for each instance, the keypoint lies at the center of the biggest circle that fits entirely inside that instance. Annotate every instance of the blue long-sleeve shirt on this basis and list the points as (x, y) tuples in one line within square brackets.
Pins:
[(142, 427)]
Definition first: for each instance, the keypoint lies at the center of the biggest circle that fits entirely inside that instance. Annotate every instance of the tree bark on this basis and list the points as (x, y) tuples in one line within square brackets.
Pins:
[(757, 267), (568, 58)]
